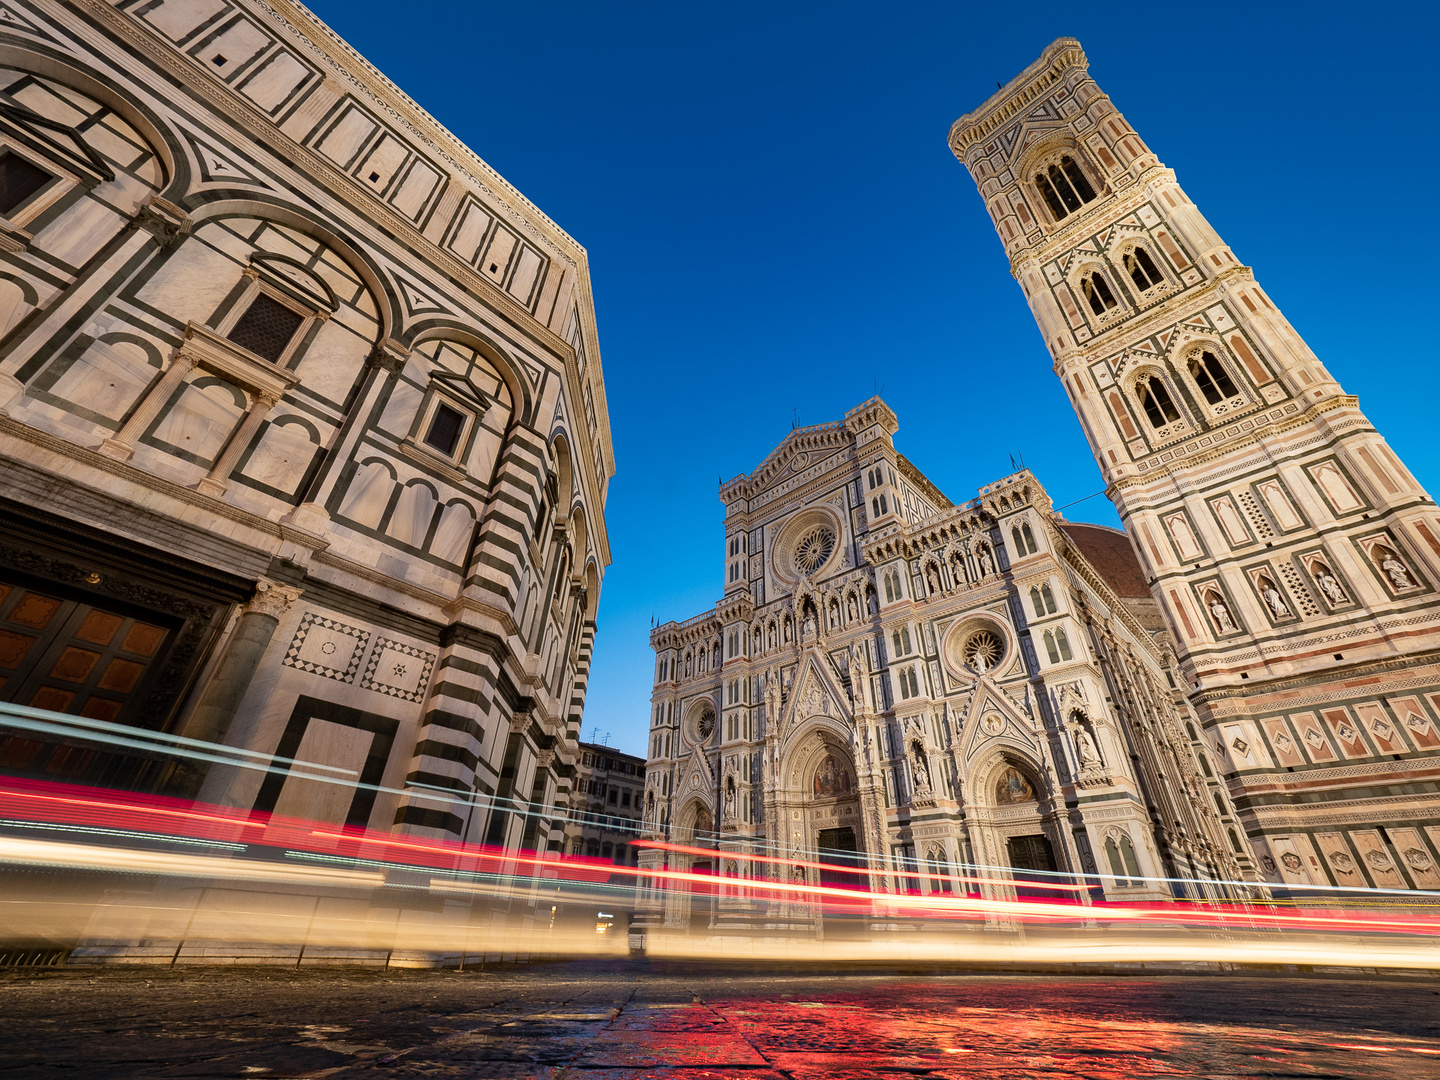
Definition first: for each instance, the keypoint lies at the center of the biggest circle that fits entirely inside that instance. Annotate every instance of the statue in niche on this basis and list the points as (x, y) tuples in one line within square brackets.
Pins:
[(921, 770), (1395, 570), (870, 600), (850, 608), (932, 578), (857, 660), (1273, 600), (986, 561), (957, 566), (789, 629), (1221, 614), (1085, 748), (834, 615), (831, 778), (1013, 788), (1329, 586), (729, 796), (807, 627)]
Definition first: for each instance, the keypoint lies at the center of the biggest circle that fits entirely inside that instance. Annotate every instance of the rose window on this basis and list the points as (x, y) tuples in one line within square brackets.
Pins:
[(707, 724), (814, 549), (982, 650)]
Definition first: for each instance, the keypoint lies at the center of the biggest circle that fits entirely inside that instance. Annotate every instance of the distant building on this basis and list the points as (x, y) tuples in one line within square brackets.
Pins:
[(606, 808), (911, 687), (304, 444), (1294, 557)]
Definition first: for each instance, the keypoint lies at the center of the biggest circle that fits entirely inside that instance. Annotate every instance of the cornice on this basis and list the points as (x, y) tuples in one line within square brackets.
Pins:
[(129, 473), (1184, 458), (1213, 699), (240, 112), (907, 539), (1060, 56), (831, 436)]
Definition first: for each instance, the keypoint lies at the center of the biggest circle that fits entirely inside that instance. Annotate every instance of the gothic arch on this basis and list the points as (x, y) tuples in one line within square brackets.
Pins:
[(1189, 349), (696, 811), (1086, 265), (985, 779)]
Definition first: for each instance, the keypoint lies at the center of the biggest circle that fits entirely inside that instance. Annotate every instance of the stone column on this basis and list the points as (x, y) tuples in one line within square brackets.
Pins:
[(211, 718), (121, 445), (216, 482)]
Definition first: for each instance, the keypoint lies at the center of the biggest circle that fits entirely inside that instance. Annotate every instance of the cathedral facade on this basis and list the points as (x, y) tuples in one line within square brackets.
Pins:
[(303, 434), (916, 693), (1293, 556)]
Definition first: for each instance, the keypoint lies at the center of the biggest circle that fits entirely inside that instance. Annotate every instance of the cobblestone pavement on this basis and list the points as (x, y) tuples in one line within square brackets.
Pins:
[(627, 1022)]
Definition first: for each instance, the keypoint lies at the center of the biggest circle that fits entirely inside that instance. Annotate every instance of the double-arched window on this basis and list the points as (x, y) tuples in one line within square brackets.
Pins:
[(1024, 539), (893, 591), (1212, 378), (1057, 645), (1097, 293), (1142, 269), (1043, 601), (1123, 864), (1064, 187), (1155, 400)]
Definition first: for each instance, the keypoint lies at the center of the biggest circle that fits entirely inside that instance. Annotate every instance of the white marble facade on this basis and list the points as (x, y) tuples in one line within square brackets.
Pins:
[(303, 402), (1293, 556), (937, 686)]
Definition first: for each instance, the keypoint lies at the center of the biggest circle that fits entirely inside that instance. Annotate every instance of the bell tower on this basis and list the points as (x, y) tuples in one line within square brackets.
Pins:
[(1296, 559)]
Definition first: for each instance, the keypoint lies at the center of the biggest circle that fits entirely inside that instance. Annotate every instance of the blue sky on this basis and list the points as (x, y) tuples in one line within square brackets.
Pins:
[(776, 228)]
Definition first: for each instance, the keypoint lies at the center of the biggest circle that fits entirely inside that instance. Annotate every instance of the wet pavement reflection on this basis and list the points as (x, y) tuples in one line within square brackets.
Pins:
[(629, 1022)]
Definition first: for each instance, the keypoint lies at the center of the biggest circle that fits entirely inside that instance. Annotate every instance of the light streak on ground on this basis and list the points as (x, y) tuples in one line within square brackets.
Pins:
[(81, 865)]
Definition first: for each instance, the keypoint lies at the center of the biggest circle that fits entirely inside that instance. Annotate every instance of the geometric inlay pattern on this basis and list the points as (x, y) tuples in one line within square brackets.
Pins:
[(327, 648), (398, 669)]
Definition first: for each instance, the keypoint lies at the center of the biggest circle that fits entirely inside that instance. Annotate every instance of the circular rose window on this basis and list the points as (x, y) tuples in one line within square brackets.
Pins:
[(814, 548), (707, 724), (982, 650)]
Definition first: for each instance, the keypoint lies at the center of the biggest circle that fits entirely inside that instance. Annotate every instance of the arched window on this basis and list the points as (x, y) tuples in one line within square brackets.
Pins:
[(1064, 187), (1234, 842), (1205, 765), (1097, 293), (1029, 537), (1155, 400), (1049, 598), (1219, 803), (939, 869), (1190, 730), (1127, 852), (1050, 648), (1141, 269), (1019, 543), (889, 591), (1037, 603), (1212, 378), (1063, 643), (1117, 868)]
